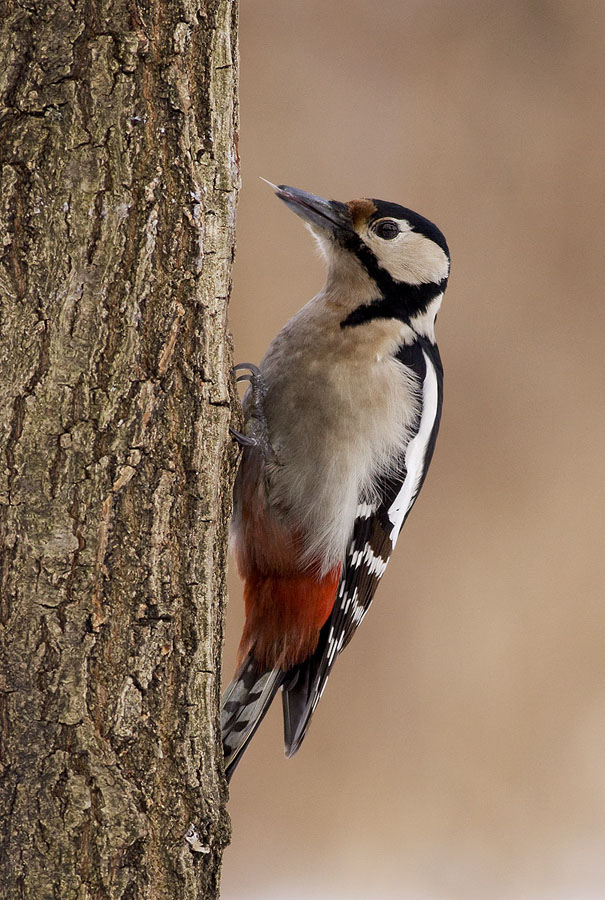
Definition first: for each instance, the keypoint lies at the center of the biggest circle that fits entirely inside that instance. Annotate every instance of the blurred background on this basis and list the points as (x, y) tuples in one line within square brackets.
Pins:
[(459, 749)]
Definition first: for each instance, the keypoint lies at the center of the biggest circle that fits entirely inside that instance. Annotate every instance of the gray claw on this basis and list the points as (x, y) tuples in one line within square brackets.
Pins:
[(256, 423), (242, 439)]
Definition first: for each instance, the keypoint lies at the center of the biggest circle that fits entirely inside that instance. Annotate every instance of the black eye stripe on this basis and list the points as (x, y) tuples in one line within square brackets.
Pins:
[(386, 229)]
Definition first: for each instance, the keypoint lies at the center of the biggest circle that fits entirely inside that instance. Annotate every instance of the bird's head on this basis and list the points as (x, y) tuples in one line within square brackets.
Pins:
[(403, 256)]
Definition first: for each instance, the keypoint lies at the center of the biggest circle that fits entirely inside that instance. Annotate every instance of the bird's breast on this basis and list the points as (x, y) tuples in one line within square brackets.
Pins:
[(336, 427)]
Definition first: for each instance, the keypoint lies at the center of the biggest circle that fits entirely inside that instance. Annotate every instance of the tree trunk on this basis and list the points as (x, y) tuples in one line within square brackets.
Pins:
[(118, 186)]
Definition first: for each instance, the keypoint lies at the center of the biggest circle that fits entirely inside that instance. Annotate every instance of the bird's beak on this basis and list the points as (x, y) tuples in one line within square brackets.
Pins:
[(329, 215)]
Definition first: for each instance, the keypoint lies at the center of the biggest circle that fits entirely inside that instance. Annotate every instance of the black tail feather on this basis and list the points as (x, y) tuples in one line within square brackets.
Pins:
[(302, 688)]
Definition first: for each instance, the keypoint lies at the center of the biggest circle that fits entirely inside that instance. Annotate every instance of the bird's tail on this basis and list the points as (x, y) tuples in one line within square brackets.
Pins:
[(245, 703), (302, 688)]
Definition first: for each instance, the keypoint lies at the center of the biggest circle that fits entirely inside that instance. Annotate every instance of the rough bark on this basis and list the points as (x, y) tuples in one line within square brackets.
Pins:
[(117, 194)]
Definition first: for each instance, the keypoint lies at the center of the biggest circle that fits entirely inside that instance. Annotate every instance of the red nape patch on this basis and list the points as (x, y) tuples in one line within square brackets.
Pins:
[(284, 615)]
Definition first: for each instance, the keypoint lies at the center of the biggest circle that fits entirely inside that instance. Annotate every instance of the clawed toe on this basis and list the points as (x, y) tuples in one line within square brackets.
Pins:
[(256, 423), (252, 373), (242, 439)]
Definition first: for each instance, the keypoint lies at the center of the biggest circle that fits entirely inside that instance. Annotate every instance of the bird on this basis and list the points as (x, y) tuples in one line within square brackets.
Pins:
[(340, 423)]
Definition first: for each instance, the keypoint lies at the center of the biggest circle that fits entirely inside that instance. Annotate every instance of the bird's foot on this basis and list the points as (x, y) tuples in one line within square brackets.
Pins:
[(257, 432)]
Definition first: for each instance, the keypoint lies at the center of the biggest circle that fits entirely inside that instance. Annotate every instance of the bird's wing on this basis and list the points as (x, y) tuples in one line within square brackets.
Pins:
[(375, 532)]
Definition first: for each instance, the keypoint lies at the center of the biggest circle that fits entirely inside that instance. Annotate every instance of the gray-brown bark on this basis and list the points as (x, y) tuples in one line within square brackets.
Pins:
[(117, 192)]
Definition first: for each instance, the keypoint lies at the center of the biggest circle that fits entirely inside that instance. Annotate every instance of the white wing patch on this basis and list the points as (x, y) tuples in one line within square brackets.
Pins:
[(416, 451)]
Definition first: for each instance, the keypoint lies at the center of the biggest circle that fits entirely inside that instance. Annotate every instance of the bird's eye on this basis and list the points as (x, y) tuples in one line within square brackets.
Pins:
[(387, 229)]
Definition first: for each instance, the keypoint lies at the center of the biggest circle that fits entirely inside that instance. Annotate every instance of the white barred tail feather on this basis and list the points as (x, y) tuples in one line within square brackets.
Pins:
[(245, 702)]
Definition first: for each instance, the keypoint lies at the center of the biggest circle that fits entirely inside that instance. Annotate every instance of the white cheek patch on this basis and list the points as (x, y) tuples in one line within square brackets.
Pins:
[(410, 257), (415, 453)]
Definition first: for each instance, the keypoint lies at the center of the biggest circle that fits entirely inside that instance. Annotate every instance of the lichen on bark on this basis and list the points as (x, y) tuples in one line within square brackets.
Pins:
[(118, 182)]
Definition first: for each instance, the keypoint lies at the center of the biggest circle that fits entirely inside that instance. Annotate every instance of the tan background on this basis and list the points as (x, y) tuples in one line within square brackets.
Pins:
[(459, 750)]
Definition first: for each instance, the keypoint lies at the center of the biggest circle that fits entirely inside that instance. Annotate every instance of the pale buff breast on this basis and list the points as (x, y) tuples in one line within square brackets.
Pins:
[(340, 410)]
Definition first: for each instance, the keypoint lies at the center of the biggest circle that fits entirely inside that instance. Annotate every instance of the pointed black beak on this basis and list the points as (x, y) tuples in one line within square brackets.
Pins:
[(329, 215)]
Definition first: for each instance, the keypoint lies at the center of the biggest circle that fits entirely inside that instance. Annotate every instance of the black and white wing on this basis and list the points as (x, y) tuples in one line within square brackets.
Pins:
[(375, 533)]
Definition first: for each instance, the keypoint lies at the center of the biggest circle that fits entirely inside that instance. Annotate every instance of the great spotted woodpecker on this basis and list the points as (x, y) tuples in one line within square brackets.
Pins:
[(341, 419)]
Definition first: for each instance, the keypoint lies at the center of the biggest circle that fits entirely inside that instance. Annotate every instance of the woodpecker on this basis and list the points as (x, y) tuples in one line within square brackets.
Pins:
[(341, 419)]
